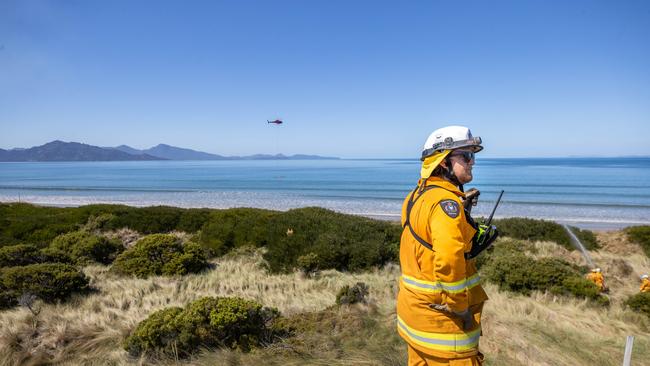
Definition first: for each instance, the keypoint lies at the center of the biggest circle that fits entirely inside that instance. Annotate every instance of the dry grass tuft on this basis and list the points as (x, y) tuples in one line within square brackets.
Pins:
[(616, 242)]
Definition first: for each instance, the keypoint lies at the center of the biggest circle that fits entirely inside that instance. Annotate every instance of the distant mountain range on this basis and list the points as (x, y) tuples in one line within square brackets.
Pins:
[(74, 151), (170, 153)]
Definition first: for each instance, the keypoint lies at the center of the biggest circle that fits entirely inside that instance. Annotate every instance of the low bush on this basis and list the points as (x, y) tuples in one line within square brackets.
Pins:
[(147, 220), (586, 237), (22, 223), (84, 247), (26, 254), (208, 322), (315, 238), (98, 222), (501, 248), (352, 294), (640, 303), (510, 269), (53, 255), (581, 288), (192, 220), (308, 263), (160, 254), (641, 236), (542, 230), (48, 282), (234, 228), (18, 255)]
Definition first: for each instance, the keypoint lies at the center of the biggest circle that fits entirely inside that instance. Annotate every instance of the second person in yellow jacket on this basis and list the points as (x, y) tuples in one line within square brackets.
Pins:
[(645, 283), (596, 276)]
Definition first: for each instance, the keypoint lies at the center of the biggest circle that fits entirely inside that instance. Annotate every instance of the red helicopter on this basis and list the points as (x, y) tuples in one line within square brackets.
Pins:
[(277, 121)]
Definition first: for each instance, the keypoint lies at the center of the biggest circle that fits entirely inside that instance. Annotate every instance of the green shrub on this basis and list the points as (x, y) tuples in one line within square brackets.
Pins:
[(160, 254), (581, 288), (234, 228), (22, 223), (504, 246), (641, 236), (147, 220), (512, 270), (191, 261), (308, 263), (49, 282), (586, 237), (531, 229), (207, 322), (352, 295), (640, 303), (191, 220), (85, 247), (324, 239), (18, 255), (26, 254), (98, 222), (53, 255), (159, 332)]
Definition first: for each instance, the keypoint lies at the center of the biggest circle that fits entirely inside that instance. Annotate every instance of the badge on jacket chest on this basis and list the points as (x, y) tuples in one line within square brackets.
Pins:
[(450, 207)]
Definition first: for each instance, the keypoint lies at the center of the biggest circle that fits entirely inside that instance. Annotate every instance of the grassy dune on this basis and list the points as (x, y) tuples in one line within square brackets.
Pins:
[(518, 330)]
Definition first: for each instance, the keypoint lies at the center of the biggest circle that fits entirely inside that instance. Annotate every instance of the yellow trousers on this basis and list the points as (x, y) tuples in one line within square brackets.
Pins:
[(417, 358)]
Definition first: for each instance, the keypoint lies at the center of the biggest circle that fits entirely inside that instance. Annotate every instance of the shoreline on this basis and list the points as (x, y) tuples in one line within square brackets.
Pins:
[(597, 225)]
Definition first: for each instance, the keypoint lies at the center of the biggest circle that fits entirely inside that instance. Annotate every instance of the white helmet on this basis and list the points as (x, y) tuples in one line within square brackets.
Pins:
[(643, 277), (596, 270), (450, 138)]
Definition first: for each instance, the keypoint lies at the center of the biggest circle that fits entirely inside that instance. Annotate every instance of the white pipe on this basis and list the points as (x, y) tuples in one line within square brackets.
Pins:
[(629, 343)]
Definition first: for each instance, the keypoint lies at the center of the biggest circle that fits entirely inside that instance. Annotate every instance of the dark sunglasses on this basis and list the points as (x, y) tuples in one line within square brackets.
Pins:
[(467, 155)]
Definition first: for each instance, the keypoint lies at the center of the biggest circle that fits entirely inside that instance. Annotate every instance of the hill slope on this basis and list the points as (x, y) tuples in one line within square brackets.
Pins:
[(69, 151), (169, 152)]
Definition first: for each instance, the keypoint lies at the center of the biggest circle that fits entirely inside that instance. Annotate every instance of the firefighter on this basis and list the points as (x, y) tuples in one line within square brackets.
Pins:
[(596, 276), (645, 283), (440, 297)]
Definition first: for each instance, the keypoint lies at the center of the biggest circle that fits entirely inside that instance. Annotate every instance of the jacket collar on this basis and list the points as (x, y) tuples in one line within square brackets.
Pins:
[(437, 181)]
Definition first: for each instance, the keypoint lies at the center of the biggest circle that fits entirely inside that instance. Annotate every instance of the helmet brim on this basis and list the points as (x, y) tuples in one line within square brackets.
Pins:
[(473, 143)]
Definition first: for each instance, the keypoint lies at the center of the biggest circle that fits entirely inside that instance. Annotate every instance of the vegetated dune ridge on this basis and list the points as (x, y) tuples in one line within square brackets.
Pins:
[(538, 330)]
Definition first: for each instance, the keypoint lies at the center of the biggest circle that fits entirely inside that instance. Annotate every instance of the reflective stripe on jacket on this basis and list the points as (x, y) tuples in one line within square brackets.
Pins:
[(439, 275)]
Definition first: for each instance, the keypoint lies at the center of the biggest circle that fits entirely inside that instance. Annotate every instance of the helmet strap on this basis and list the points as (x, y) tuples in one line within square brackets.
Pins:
[(423, 185), (449, 174)]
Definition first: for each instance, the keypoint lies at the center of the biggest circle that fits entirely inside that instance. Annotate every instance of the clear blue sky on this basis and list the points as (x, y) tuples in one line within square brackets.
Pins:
[(367, 79)]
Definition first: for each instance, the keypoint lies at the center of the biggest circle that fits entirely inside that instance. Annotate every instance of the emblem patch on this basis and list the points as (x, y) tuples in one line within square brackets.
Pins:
[(450, 207)]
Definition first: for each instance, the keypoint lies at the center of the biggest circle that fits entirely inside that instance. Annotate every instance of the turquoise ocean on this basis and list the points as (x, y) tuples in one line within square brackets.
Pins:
[(597, 193)]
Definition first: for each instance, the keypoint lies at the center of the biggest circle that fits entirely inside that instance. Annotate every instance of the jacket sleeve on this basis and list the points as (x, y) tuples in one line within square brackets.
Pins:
[(449, 245)]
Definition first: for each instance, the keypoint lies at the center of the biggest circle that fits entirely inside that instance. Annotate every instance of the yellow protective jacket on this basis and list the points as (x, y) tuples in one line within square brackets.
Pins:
[(598, 279), (645, 285), (439, 275)]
